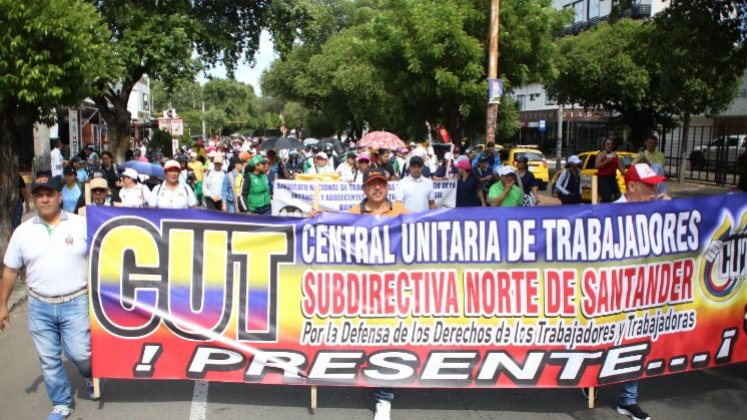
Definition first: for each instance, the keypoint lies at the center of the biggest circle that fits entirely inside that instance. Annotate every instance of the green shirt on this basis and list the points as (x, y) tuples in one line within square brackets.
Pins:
[(513, 199)]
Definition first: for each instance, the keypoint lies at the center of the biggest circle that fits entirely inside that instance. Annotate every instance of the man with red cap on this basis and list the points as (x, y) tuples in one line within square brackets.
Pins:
[(171, 194), (641, 181)]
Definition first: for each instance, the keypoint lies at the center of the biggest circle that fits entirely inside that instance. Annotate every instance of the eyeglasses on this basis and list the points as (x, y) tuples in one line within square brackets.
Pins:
[(98, 190)]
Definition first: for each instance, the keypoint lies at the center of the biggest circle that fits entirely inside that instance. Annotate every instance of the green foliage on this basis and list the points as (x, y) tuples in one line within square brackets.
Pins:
[(700, 54), (689, 60), (159, 39), (49, 52), (161, 140), (610, 66), (394, 64)]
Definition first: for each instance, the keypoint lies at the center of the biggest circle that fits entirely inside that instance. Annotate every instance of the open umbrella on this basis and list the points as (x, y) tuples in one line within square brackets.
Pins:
[(281, 143), (145, 168), (381, 140)]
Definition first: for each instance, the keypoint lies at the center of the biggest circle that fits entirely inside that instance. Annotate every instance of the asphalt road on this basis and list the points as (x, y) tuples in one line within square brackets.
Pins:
[(713, 394)]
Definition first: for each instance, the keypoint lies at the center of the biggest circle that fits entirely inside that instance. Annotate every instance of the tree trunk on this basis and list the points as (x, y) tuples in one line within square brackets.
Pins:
[(8, 174), (684, 146), (113, 108)]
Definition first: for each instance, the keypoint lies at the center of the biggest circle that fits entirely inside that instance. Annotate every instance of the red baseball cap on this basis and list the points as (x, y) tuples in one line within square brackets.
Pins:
[(643, 172)]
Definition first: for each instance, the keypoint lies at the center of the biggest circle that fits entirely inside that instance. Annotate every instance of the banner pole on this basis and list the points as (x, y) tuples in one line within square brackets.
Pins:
[(313, 398), (315, 205), (594, 190), (97, 388), (592, 396)]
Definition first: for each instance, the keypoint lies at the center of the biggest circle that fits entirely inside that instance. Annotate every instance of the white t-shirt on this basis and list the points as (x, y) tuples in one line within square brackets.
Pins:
[(415, 194), (212, 183), (163, 197), (137, 196), (345, 171), (55, 258), (55, 157)]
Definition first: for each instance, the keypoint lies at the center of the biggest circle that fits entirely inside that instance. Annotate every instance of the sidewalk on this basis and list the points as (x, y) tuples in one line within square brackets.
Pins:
[(18, 294)]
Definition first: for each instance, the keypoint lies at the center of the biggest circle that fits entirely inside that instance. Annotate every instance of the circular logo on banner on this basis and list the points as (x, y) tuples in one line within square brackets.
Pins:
[(724, 264)]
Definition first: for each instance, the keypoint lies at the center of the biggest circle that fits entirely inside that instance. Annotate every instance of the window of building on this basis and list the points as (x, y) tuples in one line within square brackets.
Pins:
[(548, 100), (594, 8), (522, 101), (146, 105), (580, 15)]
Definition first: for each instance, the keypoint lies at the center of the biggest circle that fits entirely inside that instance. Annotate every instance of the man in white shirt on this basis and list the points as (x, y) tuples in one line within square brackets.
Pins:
[(170, 194), (212, 184), (53, 248), (56, 159), (345, 169), (416, 191)]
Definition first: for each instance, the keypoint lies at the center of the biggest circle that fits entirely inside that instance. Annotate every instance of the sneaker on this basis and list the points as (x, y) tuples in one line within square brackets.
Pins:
[(59, 412), (89, 387), (383, 410), (633, 411)]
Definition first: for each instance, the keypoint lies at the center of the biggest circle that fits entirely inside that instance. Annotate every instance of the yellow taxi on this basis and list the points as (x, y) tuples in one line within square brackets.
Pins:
[(537, 162), (587, 167)]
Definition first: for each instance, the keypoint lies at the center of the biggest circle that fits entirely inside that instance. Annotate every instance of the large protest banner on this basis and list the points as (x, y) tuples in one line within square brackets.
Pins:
[(547, 297), (297, 197)]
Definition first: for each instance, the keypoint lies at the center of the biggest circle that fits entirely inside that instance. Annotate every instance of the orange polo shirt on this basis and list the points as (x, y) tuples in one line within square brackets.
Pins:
[(394, 209)]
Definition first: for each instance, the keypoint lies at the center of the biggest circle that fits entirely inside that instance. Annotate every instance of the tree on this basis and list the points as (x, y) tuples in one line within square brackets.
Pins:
[(609, 67), (49, 52), (702, 56), (158, 39), (408, 62)]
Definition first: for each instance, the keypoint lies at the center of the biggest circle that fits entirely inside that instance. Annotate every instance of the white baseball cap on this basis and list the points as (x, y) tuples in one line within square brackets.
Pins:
[(574, 159), (504, 170), (130, 173)]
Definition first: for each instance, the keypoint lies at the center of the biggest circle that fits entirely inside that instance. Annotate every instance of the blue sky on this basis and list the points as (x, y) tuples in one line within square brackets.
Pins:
[(246, 74)]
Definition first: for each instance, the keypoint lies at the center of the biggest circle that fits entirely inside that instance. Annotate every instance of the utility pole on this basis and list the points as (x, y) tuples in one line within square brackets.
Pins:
[(492, 112), (559, 145), (203, 122)]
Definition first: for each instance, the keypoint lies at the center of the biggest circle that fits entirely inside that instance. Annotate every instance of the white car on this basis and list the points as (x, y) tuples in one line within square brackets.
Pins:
[(721, 150)]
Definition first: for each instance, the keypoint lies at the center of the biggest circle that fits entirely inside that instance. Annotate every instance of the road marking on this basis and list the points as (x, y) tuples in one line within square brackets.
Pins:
[(198, 410)]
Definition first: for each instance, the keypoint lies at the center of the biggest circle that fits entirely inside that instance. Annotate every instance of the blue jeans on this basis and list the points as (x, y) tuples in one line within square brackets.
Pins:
[(385, 394), (628, 393), (56, 327), (230, 206)]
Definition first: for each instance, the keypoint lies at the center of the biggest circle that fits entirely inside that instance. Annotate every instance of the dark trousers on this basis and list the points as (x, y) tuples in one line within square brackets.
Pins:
[(609, 191), (211, 204)]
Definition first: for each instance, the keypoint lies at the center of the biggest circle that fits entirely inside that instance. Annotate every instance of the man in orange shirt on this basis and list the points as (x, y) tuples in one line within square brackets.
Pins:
[(376, 189)]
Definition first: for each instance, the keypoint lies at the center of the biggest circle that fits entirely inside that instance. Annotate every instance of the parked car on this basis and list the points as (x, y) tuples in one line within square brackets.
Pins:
[(588, 169), (537, 162), (724, 150)]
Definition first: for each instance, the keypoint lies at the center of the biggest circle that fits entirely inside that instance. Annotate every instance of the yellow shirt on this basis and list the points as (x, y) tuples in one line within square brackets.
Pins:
[(654, 158), (197, 168)]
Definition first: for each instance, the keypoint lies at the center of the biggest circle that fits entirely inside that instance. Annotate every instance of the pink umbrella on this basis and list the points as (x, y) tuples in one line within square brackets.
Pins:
[(210, 149), (381, 140)]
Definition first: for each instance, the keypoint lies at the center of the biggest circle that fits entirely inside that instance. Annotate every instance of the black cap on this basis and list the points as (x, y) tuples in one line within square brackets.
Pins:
[(522, 159), (45, 181), (69, 170), (416, 160), (374, 174)]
